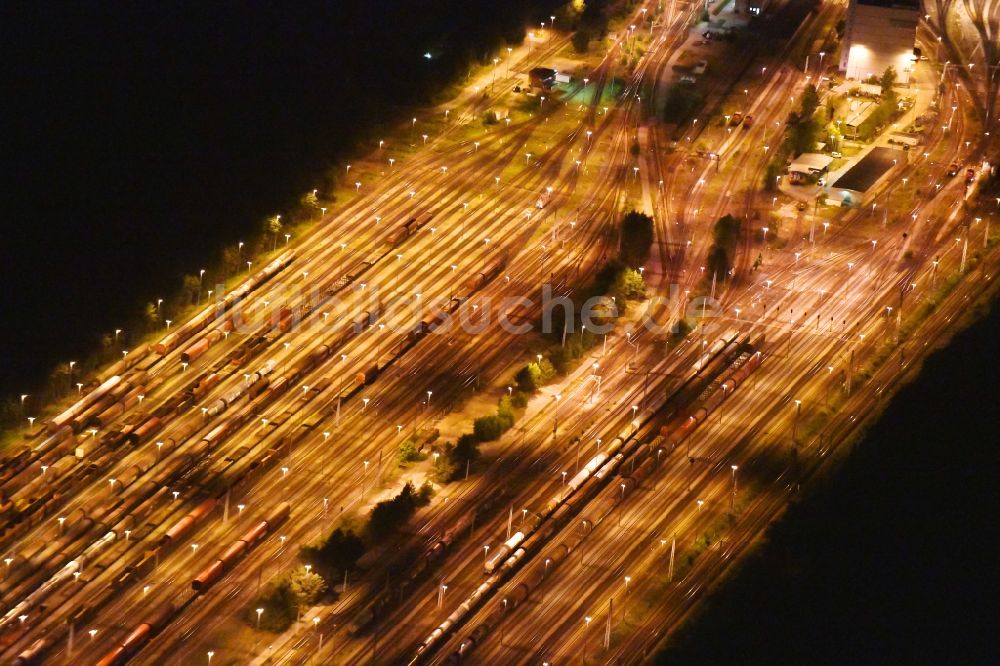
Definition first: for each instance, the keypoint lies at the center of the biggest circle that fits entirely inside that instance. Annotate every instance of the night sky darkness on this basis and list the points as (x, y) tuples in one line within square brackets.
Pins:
[(894, 559), (137, 138)]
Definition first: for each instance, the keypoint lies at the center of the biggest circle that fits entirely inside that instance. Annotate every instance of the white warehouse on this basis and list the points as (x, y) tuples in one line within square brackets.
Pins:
[(880, 33)]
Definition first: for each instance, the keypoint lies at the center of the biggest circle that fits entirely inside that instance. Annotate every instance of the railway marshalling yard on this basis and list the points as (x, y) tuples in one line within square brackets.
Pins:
[(628, 484)]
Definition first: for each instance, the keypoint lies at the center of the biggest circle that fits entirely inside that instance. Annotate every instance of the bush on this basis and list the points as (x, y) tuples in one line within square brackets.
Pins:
[(408, 452), (487, 428), (519, 399), (546, 373), (505, 412)]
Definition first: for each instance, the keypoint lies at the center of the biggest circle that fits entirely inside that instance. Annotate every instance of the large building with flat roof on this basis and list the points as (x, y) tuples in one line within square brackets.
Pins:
[(851, 187), (880, 33)]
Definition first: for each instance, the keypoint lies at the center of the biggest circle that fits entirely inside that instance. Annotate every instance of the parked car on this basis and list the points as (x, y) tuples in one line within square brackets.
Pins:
[(736, 119), (690, 80), (970, 175), (836, 154), (747, 122), (953, 170)]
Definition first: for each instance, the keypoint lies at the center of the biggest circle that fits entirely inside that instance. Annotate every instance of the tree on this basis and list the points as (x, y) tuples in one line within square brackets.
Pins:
[(390, 515), (718, 262), (680, 329), (836, 136), (231, 258), (802, 128), (408, 452), (546, 372), (279, 607), (466, 449), (681, 101), (308, 587), (457, 457), (809, 102), (487, 428), (725, 236), (886, 109), (604, 310), (887, 80), (336, 554), (528, 378), (726, 231), (560, 358), (150, 316), (604, 280), (630, 284), (191, 286), (637, 238), (310, 200), (519, 399), (273, 225), (593, 16), (581, 40), (505, 412)]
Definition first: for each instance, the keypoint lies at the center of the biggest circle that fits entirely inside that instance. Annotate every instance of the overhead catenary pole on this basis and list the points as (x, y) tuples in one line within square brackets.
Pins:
[(965, 251), (607, 627), (850, 373), (670, 568)]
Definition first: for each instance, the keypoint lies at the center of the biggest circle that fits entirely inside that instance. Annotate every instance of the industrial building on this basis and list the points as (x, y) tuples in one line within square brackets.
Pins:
[(851, 187), (880, 33)]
